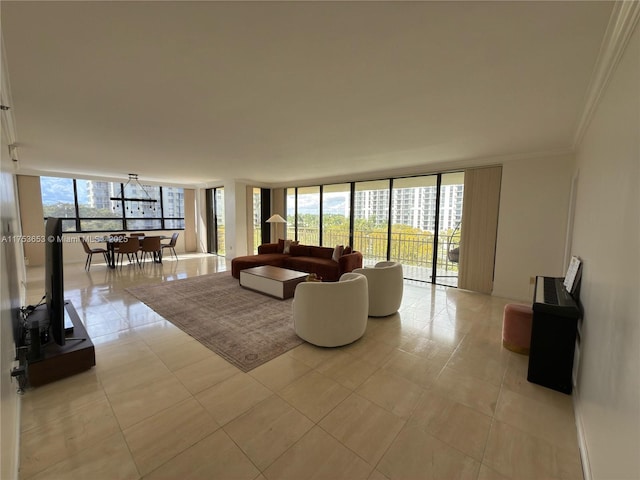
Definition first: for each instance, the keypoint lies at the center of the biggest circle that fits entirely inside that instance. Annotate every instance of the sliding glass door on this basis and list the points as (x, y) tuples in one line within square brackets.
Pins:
[(336, 212), (413, 223), (215, 221), (308, 219), (450, 202), (291, 206), (371, 220)]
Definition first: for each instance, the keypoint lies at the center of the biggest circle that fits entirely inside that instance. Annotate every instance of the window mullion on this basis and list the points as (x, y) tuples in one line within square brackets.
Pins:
[(161, 209), (76, 206), (123, 209)]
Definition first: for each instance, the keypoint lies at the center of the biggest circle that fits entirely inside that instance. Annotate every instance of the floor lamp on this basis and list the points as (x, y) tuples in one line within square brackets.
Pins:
[(275, 218)]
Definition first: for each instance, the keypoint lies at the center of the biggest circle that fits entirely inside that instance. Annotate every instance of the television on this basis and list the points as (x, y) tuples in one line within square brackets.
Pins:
[(54, 282)]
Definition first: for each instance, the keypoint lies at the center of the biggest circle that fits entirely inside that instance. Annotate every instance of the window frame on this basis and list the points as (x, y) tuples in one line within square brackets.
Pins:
[(123, 218), (390, 185)]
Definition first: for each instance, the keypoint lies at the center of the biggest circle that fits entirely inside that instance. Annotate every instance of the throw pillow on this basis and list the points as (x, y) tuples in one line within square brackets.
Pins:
[(337, 252), (347, 250), (287, 246)]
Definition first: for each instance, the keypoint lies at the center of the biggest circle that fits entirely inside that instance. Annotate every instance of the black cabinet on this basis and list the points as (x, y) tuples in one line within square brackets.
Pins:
[(54, 362), (553, 340)]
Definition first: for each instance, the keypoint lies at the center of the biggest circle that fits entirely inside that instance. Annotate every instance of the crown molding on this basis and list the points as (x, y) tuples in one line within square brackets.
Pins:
[(623, 20), (427, 168)]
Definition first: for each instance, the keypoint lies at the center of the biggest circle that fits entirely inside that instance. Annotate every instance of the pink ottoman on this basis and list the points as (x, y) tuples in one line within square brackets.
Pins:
[(516, 328)]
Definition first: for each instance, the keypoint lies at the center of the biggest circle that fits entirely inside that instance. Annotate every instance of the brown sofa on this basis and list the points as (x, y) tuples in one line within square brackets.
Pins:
[(304, 258)]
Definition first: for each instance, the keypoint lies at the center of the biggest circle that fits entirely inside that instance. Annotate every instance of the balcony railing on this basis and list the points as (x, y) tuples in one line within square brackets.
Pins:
[(413, 250)]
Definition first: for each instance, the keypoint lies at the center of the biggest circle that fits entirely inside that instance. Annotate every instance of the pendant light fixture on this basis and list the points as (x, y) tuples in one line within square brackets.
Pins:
[(140, 199)]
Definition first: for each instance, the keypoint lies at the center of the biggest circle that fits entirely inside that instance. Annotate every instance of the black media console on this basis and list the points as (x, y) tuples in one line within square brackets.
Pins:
[(50, 362)]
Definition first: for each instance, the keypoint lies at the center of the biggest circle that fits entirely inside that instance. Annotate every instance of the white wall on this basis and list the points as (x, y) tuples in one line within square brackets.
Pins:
[(12, 293), (606, 236), (236, 220), (11, 276), (532, 223)]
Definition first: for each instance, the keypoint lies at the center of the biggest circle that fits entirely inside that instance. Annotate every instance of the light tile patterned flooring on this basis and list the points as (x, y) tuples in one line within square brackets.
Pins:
[(428, 393)]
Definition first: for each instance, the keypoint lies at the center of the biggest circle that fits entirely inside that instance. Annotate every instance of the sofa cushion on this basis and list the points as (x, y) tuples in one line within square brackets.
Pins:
[(268, 248), (300, 251), (325, 268), (321, 252), (347, 250)]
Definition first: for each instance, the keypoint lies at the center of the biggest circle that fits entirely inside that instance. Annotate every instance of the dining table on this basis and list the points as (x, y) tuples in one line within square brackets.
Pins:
[(112, 240)]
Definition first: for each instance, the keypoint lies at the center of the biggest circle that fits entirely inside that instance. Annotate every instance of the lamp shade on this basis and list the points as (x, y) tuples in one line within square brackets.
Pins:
[(275, 218)]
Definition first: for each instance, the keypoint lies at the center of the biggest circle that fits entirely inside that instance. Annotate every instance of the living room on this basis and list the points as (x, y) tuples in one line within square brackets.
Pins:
[(590, 176)]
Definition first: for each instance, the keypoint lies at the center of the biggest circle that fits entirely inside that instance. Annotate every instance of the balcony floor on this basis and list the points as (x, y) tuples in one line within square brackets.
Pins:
[(447, 277)]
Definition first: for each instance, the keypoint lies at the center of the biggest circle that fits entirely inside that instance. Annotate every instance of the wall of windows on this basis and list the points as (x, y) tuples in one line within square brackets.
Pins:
[(414, 220), (86, 205)]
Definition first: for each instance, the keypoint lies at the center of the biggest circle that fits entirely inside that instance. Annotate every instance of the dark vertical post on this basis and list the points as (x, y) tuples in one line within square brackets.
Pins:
[(296, 215), (265, 210), (161, 210), (123, 204), (76, 206), (352, 214), (211, 220), (436, 227), (320, 217), (389, 218)]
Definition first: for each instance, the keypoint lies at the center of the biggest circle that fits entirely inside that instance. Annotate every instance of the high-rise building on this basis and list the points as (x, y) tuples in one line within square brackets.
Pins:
[(414, 206)]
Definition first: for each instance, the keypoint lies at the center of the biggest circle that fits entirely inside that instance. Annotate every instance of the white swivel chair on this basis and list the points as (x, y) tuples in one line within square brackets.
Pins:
[(331, 314), (385, 285)]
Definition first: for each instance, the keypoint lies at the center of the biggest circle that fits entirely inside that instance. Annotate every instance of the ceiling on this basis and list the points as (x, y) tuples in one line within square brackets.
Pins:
[(193, 93)]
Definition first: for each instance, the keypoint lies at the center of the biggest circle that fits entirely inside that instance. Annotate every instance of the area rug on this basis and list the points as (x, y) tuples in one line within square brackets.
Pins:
[(245, 327)]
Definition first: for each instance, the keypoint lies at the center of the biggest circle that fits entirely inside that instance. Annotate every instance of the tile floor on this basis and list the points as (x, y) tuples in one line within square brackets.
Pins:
[(428, 393)]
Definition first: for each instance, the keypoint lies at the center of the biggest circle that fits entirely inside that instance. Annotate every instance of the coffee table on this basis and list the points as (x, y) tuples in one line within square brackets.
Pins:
[(274, 281)]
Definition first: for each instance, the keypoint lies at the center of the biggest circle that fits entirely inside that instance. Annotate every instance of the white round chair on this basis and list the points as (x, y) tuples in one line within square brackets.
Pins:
[(385, 285), (331, 314)]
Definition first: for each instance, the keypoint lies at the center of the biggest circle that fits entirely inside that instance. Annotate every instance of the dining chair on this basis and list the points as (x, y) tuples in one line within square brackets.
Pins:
[(151, 246), (90, 251), (112, 241), (129, 247), (138, 235), (172, 244)]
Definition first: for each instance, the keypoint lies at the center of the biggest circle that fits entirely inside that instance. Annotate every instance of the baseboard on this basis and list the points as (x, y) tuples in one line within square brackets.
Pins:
[(11, 435), (582, 442), (511, 297), (18, 433)]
